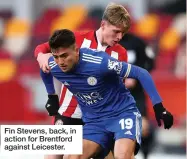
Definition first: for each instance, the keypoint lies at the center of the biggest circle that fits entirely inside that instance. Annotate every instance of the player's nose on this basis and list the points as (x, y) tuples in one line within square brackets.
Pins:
[(61, 61), (119, 36)]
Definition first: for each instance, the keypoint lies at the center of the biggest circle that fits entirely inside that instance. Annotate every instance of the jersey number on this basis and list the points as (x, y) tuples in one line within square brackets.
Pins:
[(126, 123)]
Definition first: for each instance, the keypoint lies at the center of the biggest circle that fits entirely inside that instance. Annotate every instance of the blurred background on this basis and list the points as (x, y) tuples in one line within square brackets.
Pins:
[(26, 23)]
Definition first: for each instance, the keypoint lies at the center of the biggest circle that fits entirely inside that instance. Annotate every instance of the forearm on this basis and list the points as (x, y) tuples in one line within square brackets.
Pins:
[(146, 81), (48, 82)]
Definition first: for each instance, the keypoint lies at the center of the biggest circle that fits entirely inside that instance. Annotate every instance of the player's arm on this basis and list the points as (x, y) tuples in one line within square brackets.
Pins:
[(143, 76), (125, 70), (52, 104), (42, 53), (42, 49)]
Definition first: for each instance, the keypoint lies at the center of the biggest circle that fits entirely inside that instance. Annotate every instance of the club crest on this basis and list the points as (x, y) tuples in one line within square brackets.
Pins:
[(92, 81)]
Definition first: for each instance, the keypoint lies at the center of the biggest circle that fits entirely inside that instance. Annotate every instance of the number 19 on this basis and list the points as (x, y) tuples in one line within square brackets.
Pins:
[(126, 123)]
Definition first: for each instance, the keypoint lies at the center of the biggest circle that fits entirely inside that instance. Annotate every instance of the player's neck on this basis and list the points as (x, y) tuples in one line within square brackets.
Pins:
[(100, 38)]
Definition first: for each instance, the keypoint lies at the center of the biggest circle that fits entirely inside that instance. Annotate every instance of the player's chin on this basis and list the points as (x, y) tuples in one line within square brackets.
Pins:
[(112, 43), (64, 69)]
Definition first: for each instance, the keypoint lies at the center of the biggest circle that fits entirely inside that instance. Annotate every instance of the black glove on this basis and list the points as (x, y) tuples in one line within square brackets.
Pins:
[(162, 114), (52, 105)]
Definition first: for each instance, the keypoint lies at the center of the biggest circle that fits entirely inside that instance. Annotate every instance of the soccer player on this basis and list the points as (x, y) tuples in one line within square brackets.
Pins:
[(108, 109), (115, 23), (106, 38)]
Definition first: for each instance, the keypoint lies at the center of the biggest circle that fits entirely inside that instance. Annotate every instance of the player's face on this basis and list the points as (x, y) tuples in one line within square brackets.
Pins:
[(66, 58), (111, 34)]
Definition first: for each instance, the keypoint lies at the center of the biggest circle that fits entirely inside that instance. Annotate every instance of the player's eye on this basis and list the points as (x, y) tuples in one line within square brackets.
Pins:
[(63, 55), (55, 57), (116, 31)]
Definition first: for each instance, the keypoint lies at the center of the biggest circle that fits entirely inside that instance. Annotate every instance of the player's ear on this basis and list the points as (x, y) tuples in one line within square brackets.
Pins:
[(77, 50), (102, 24)]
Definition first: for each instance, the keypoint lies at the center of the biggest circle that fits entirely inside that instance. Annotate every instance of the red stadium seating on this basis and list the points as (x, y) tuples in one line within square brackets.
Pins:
[(43, 24)]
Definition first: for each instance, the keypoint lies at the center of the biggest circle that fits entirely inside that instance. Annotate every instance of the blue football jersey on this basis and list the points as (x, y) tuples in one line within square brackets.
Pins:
[(96, 84)]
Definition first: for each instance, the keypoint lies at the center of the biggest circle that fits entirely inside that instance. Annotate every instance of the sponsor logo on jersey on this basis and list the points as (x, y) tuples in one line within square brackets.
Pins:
[(89, 98), (128, 132)]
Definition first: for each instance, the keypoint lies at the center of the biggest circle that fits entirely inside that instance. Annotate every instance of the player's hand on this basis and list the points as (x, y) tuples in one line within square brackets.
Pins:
[(52, 105), (43, 62), (162, 114)]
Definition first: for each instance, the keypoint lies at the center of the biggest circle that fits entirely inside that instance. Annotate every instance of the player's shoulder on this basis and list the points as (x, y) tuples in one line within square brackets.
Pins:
[(121, 51), (84, 34), (92, 55), (92, 51)]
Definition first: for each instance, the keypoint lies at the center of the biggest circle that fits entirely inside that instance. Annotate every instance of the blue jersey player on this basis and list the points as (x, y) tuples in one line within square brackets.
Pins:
[(109, 110)]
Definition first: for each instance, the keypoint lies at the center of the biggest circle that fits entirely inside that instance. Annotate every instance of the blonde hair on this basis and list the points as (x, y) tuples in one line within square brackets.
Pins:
[(117, 15)]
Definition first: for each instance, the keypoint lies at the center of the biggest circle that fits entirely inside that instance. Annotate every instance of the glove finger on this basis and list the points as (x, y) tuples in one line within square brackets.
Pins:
[(168, 125), (168, 121), (158, 121), (171, 122)]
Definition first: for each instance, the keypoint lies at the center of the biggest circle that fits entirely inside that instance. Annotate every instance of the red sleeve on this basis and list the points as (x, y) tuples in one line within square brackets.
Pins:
[(122, 54), (44, 48)]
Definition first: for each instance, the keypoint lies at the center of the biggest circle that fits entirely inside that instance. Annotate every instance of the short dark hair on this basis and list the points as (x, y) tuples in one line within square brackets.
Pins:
[(62, 38)]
